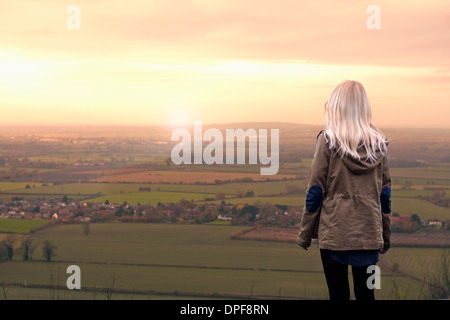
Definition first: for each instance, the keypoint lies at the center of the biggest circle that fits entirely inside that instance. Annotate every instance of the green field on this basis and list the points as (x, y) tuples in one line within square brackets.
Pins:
[(435, 174), (10, 186), (19, 225), (150, 261), (424, 209), (151, 197), (73, 189)]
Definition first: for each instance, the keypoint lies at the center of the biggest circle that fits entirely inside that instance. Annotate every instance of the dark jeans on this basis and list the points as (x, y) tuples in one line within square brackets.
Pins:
[(336, 275)]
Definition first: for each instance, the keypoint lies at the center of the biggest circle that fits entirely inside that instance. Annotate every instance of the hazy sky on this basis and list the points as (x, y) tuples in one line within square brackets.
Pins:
[(172, 62)]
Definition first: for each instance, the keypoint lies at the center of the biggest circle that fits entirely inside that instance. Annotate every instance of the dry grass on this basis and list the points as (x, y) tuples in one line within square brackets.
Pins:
[(188, 177), (422, 238), (108, 172), (269, 234)]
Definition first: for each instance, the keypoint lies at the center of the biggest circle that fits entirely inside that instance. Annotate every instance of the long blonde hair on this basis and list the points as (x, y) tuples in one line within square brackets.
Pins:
[(349, 123)]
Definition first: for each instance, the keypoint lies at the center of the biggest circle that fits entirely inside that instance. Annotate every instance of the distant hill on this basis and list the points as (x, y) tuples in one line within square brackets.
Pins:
[(408, 146)]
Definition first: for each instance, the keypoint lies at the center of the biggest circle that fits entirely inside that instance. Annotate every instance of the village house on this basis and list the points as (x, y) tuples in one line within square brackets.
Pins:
[(224, 217), (63, 212), (403, 218), (435, 223), (82, 219)]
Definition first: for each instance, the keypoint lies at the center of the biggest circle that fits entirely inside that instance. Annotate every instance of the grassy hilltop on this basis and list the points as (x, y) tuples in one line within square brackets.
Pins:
[(151, 261)]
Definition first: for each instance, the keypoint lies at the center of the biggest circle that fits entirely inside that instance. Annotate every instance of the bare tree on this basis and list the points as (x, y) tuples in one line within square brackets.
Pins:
[(86, 228), (28, 248), (48, 250), (9, 244)]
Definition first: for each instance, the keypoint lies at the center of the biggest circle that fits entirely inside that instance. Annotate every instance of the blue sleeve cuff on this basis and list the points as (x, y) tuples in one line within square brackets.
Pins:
[(314, 198), (385, 200)]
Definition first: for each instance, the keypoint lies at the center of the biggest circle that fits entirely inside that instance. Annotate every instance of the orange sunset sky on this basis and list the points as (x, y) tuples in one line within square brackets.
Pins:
[(173, 62)]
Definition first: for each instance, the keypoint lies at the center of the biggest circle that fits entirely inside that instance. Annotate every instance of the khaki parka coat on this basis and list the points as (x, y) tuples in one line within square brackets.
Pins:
[(347, 201)]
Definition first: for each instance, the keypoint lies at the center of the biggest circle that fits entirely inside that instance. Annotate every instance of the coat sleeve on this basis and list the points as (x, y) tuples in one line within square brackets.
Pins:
[(385, 200), (315, 191)]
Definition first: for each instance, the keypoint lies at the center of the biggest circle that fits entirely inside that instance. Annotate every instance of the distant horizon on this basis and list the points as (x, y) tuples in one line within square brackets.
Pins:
[(169, 126)]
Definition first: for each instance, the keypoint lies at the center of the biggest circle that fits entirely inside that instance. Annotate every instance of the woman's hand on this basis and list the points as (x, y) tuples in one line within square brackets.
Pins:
[(384, 249), (302, 243)]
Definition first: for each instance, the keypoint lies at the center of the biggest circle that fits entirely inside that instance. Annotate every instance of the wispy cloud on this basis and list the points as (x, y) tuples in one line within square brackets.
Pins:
[(325, 32)]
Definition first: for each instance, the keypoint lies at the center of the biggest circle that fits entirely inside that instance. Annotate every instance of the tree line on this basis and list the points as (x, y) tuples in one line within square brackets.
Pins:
[(27, 248)]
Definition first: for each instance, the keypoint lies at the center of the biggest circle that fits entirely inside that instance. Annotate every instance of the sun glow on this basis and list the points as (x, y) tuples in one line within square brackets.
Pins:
[(180, 118), (14, 69)]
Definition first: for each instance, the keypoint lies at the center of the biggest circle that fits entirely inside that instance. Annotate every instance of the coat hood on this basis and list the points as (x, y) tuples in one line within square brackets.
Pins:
[(362, 165)]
